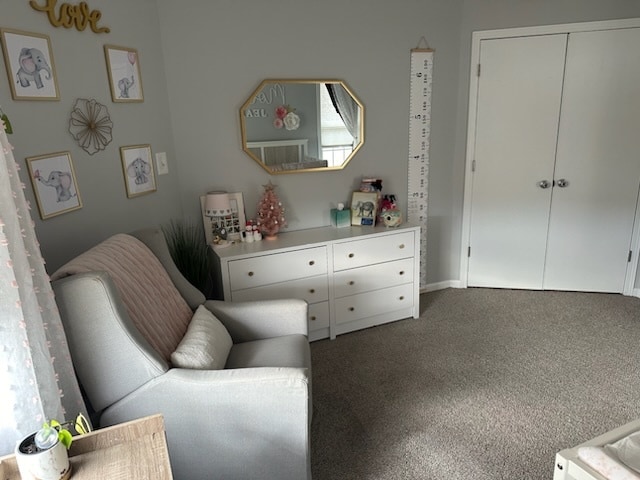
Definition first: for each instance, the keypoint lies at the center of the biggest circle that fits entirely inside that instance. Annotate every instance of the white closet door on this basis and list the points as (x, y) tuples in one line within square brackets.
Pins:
[(517, 120), (599, 156)]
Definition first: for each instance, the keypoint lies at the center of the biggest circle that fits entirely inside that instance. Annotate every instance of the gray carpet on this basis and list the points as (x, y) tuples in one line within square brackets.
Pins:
[(486, 384)]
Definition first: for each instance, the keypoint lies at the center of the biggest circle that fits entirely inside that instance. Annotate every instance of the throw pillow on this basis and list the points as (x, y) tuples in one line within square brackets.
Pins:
[(206, 344)]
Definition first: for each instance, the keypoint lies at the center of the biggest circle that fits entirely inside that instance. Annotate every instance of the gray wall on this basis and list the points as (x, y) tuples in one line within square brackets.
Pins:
[(367, 46), (200, 60), (216, 53), (42, 127)]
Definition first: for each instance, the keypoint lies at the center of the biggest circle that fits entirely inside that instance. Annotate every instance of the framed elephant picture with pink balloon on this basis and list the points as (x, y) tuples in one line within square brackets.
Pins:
[(125, 79), (30, 66), (54, 184)]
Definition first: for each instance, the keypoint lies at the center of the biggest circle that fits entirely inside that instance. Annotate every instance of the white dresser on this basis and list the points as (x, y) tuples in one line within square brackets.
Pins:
[(352, 278)]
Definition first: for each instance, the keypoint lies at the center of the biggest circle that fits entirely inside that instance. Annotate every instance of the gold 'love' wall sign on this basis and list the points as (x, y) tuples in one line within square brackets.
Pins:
[(70, 15)]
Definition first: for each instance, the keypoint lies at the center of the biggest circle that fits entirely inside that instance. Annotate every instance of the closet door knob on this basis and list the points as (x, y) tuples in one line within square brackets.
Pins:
[(544, 184), (563, 182)]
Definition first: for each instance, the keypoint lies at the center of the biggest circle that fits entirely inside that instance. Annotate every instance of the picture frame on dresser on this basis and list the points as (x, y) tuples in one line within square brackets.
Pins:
[(237, 222), (364, 208)]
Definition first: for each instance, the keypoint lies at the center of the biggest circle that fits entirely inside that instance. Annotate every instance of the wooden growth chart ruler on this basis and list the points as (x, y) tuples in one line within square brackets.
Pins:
[(419, 142)]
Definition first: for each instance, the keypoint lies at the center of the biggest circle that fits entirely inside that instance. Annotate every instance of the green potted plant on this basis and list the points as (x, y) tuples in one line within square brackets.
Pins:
[(43, 455)]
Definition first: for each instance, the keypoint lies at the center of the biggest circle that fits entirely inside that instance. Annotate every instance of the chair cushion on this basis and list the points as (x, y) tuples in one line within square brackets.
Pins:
[(206, 344), (151, 299), (285, 351)]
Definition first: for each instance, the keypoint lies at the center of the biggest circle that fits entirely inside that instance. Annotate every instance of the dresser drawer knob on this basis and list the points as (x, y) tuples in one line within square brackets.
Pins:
[(313, 319), (312, 290), (401, 272), (351, 255), (250, 274), (401, 246), (351, 309), (351, 282), (401, 297), (312, 262)]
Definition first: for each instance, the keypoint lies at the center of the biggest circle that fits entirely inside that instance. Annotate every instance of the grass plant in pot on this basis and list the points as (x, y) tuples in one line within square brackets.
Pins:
[(190, 253)]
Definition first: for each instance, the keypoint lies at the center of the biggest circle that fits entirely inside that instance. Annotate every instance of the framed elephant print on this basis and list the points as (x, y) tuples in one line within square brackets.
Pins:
[(137, 166), (30, 66), (125, 79), (364, 208), (54, 184)]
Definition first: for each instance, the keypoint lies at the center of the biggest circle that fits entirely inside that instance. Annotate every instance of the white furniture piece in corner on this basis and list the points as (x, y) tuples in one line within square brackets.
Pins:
[(570, 467), (353, 277)]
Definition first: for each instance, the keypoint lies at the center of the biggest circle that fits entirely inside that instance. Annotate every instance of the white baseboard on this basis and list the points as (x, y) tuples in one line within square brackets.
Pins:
[(432, 287)]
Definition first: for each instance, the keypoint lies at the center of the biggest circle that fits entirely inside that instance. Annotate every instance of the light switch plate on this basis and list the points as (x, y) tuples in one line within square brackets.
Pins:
[(162, 165)]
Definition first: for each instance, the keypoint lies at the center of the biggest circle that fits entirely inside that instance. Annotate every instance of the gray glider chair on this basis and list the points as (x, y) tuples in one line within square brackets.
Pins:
[(232, 380)]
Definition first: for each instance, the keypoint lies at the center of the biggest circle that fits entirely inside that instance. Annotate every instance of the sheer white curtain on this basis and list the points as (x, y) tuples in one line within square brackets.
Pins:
[(347, 108), (37, 381)]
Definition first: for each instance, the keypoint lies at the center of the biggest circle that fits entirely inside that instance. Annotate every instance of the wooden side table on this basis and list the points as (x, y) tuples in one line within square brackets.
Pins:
[(135, 450)]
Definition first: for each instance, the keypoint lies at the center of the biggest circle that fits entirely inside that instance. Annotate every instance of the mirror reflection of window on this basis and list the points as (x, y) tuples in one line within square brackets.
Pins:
[(329, 133), (335, 140)]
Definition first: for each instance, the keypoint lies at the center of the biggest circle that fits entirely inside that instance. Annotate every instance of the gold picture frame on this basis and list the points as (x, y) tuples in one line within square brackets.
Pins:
[(138, 171), (31, 69), (125, 77), (54, 184)]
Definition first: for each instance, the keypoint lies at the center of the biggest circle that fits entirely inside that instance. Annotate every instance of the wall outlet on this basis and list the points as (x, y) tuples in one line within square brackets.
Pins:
[(162, 165)]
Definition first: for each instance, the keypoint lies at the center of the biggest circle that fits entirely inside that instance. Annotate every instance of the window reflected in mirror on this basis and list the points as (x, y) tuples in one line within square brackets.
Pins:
[(291, 126)]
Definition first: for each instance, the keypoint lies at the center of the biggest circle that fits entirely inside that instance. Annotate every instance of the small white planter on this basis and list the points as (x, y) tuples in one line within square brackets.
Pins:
[(49, 464)]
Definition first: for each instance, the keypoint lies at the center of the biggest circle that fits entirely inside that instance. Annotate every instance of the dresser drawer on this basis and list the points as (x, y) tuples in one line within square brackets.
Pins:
[(368, 251), (374, 277), (312, 289), (374, 303), (278, 267), (318, 316)]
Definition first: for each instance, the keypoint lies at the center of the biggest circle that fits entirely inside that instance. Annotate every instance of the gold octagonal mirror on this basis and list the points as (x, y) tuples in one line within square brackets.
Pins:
[(294, 126)]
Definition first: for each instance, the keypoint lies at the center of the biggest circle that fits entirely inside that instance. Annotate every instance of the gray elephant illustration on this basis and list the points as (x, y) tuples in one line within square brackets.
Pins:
[(61, 181), (32, 63), (139, 170), (124, 85), (364, 209)]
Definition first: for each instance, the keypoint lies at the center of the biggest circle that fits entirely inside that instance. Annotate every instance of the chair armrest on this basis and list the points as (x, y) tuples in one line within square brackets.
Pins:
[(244, 423), (255, 320)]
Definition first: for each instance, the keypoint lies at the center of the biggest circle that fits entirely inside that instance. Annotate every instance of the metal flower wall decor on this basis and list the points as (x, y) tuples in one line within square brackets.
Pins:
[(90, 125)]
